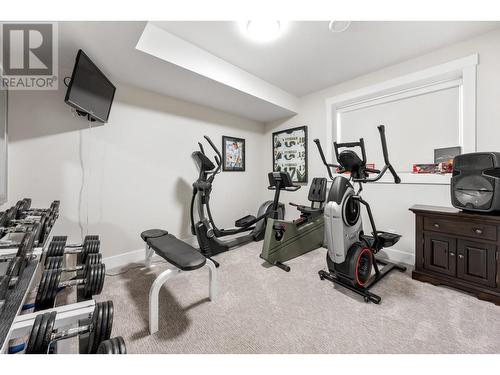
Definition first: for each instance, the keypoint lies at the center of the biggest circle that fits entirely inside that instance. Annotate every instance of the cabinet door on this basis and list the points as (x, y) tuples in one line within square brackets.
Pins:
[(440, 254), (477, 262)]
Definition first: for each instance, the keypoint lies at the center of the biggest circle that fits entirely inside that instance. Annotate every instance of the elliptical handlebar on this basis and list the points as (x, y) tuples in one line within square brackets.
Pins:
[(329, 167), (381, 130), (201, 148), (218, 157), (387, 166)]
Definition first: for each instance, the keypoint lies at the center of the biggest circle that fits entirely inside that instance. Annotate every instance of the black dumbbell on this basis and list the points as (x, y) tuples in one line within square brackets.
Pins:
[(16, 266), (88, 237), (50, 284), (99, 330), (7, 216), (23, 204), (41, 225), (23, 212), (59, 248), (23, 208), (8, 220), (52, 263), (115, 345), (10, 278)]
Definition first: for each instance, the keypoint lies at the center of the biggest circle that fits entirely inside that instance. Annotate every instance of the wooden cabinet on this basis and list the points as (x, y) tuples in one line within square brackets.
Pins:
[(440, 254), (477, 262), (458, 249)]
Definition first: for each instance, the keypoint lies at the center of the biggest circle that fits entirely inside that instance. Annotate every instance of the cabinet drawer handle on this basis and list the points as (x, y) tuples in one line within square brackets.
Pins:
[(460, 256), (478, 231), (452, 254), (436, 225)]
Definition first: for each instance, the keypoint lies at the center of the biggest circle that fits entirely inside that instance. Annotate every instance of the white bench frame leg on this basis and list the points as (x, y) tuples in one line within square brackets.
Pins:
[(154, 292), (148, 256)]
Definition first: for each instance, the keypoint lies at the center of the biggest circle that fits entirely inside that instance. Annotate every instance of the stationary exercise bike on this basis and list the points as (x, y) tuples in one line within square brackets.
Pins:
[(351, 253), (208, 234), (285, 239)]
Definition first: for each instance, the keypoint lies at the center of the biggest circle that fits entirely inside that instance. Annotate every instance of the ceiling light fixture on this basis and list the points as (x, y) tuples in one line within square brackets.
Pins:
[(263, 31), (339, 26)]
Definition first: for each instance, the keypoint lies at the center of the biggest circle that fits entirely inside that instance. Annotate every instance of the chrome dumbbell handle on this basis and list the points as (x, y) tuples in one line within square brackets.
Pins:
[(73, 282), (73, 269), (73, 250), (72, 332), (27, 220), (74, 245)]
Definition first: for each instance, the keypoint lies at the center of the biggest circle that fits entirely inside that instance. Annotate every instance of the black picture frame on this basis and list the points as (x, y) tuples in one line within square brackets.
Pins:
[(279, 149), (226, 166)]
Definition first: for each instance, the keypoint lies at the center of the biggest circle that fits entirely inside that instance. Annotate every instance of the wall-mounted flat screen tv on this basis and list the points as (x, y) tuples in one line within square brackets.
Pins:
[(89, 90)]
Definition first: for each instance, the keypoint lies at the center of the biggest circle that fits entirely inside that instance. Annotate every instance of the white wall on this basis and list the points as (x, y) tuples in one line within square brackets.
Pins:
[(390, 202), (138, 167)]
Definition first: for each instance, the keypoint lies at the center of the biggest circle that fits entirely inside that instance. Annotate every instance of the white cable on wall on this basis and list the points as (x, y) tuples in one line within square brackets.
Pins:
[(85, 182)]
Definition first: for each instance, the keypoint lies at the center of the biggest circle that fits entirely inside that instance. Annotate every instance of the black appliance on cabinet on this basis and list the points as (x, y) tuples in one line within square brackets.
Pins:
[(475, 184)]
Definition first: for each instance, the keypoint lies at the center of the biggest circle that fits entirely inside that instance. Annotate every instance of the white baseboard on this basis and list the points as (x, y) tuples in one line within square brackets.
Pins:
[(398, 256), (124, 259)]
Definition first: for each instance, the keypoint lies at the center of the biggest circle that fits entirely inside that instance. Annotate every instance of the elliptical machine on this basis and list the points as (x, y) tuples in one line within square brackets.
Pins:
[(351, 253), (208, 234)]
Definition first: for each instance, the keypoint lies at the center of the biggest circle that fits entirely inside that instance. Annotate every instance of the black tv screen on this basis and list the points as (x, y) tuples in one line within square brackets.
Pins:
[(89, 90)]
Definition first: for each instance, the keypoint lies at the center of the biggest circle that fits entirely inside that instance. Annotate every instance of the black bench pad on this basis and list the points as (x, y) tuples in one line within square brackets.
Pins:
[(151, 233), (177, 252)]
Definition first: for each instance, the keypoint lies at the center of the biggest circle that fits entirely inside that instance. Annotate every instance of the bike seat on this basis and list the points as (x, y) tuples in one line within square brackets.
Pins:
[(317, 194), (307, 210)]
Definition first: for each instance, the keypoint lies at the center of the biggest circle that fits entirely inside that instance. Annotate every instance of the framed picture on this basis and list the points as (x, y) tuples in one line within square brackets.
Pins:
[(290, 153), (233, 154), (446, 155)]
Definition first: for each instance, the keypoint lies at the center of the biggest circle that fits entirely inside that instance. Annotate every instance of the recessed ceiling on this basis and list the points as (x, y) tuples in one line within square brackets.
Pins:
[(262, 81), (308, 57), (112, 46)]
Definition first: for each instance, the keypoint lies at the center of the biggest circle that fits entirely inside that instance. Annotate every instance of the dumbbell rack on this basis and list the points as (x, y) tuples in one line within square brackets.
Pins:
[(13, 325), (16, 326), (78, 313), (67, 315), (12, 306)]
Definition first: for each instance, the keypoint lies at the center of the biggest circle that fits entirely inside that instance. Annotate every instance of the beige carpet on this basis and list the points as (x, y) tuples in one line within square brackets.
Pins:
[(266, 310)]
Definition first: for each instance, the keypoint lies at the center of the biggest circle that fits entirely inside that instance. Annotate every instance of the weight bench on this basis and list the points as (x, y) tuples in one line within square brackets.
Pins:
[(179, 254)]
